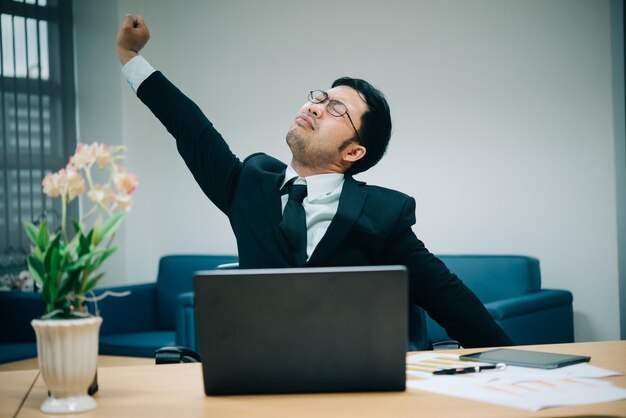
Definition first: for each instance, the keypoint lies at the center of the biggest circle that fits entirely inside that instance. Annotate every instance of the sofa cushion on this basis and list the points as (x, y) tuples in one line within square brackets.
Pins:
[(496, 277), (534, 302), (17, 351), (134, 312)]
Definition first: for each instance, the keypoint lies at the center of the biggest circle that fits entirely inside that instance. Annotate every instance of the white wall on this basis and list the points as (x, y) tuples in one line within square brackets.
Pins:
[(502, 110), (99, 93), (619, 123)]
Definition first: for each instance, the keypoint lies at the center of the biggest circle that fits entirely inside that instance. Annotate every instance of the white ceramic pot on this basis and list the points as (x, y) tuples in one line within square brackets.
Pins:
[(67, 352)]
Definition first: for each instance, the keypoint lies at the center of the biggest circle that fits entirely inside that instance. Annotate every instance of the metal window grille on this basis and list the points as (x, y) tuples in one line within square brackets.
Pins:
[(37, 116)]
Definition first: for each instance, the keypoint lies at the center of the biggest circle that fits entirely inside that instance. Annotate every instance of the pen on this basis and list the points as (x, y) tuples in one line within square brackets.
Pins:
[(474, 369)]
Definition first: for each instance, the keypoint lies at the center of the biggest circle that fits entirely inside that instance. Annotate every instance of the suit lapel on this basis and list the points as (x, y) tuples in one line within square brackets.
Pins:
[(351, 203), (271, 192)]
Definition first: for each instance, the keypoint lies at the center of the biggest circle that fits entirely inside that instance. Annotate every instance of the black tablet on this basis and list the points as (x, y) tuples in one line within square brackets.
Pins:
[(523, 358)]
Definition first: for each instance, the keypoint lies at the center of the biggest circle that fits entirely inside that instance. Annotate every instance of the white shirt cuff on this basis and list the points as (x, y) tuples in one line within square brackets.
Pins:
[(136, 70)]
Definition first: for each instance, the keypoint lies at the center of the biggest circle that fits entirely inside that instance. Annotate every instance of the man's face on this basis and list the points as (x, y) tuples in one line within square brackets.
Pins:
[(317, 138)]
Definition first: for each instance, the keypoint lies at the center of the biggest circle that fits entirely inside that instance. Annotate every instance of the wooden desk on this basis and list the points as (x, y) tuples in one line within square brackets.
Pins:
[(14, 387), (17, 378), (103, 361), (177, 390)]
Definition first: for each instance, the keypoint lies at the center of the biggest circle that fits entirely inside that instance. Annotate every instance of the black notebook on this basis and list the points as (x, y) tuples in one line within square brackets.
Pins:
[(524, 358)]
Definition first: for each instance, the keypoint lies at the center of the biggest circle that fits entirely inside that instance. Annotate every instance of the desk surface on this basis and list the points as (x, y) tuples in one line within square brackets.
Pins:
[(14, 386), (103, 361), (177, 390), (17, 379)]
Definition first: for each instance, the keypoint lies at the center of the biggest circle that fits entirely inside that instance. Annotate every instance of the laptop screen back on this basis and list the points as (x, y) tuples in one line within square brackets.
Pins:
[(302, 330)]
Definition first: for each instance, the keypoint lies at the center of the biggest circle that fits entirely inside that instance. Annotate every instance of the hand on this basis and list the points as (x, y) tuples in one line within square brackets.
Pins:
[(132, 36)]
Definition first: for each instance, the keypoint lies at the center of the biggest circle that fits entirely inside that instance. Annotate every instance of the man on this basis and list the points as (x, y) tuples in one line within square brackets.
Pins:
[(344, 222)]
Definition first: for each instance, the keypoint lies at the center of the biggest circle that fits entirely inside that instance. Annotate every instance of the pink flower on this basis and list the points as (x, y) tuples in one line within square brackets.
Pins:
[(67, 182), (101, 195), (52, 184), (84, 156), (103, 155), (124, 200), (75, 185), (125, 182)]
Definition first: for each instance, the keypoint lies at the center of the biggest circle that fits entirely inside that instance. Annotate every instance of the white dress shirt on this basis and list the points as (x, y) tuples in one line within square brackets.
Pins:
[(323, 190), (320, 204), (136, 70)]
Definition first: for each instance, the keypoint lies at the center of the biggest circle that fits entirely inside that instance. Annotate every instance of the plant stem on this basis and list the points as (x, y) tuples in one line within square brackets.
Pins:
[(90, 212), (88, 175), (64, 216)]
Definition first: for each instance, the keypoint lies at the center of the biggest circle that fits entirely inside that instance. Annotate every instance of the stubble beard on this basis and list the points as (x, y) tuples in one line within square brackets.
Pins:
[(302, 152), (295, 142)]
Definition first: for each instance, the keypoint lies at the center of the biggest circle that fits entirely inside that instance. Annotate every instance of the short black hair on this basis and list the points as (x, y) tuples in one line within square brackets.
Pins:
[(375, 131)]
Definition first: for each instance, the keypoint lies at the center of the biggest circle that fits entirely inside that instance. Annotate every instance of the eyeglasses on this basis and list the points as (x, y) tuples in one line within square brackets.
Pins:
[(335, 107)]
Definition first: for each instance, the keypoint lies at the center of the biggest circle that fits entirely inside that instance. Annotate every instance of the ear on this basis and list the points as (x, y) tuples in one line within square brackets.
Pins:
[(354, 152)]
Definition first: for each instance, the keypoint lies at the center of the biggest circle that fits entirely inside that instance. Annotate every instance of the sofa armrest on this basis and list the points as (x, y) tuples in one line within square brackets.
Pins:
[(533, 302), (132, 313), (186, 333)]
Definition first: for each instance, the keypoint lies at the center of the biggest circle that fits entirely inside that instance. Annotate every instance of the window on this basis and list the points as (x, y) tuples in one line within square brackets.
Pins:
[(37, 116)]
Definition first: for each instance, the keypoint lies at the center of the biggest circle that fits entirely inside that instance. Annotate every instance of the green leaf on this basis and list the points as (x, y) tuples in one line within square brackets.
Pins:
[(92, 283), (54, 272), (80, 263), (44, 236), (52, 269), (32, 231), (85, 243), (35, 266), (74, 243), (56, 261), (48, 254), (90, 239), (96, 230), (45, 294), (69, 283), (77, 229), (106, 253), (111, 225)]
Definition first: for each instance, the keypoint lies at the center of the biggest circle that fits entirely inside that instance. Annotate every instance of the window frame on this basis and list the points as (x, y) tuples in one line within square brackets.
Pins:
[(28, 167)]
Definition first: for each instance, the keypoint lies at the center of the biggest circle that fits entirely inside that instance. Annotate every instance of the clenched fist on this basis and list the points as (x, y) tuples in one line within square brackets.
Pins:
[(132, 36)]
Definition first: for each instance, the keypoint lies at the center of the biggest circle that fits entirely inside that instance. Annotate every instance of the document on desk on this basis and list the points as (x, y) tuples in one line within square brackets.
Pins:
[(517, 387)]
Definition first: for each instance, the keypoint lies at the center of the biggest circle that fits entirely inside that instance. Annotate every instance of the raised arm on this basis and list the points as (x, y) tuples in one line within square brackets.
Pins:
[(131, 38), (208, 157)]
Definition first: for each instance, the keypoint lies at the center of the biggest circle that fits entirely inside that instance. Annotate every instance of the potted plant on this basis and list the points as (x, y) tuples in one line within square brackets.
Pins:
[(65, 266)]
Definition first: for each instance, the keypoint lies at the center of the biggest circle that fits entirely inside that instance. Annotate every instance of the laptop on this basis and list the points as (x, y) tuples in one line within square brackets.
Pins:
[(305, 330)]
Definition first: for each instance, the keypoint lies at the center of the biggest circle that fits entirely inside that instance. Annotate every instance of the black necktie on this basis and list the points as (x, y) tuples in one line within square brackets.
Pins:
[(293, 223)]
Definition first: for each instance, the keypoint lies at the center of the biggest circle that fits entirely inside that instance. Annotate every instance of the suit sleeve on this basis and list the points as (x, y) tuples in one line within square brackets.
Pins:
[(206, 154), (442, 294)]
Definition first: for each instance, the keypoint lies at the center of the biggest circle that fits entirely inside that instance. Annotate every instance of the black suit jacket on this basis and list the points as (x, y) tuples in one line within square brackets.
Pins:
[(372, 225)]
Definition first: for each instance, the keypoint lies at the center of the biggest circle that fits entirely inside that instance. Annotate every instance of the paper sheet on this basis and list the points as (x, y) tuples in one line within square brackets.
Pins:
[(518, 387)]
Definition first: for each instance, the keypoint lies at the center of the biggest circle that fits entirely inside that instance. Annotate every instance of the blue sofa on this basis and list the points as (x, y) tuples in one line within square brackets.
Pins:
[(138, 324), (162, 313), (17, 337), (508, 285), (134, 325), (510, 288)]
